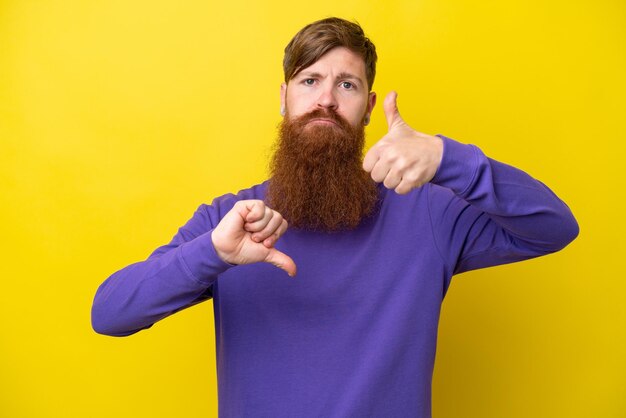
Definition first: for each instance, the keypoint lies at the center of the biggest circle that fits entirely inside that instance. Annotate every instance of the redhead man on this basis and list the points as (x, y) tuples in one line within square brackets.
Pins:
[(372, 243)]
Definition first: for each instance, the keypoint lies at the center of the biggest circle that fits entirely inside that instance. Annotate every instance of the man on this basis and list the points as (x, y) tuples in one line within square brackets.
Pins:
[(375, 241)]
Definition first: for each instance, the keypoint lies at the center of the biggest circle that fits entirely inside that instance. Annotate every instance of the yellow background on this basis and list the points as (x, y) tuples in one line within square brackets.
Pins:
[(118, 118)]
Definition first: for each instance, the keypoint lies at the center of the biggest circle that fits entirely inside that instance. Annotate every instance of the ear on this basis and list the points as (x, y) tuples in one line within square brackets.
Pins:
[(371, 102), (283, 98)]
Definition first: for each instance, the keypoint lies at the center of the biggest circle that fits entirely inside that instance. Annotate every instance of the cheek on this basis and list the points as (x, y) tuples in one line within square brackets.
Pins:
[(357, 112), (296, 105)]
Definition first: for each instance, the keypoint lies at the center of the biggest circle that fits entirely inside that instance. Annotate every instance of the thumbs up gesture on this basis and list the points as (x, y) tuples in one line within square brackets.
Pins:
[(403, 159), (247, 234)]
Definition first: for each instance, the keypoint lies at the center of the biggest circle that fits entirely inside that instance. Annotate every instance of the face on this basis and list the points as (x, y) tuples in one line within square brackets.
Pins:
[(337, 81)]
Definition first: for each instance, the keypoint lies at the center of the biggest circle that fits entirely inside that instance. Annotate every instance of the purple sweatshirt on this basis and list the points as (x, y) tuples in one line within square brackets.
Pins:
[(354, 333)]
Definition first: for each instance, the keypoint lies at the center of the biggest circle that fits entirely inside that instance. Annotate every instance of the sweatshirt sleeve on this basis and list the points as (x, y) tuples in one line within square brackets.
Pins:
[(488, 213), (174, 277)]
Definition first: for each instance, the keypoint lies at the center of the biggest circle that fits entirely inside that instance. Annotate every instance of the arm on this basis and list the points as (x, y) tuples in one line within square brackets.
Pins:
[(487, 212), (174, 277), (180, 274), (493, 213)]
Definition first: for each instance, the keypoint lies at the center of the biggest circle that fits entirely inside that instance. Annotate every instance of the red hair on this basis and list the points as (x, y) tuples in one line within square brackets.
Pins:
[(317, 38)]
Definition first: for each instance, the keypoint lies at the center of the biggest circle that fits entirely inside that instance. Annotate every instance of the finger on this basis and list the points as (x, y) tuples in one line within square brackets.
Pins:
[(390, 106), (380, 171), (281, 260), (392, 180), (370, 158), (260, 224), (269, 229), (256, 210), (271, 240), (405, 186)]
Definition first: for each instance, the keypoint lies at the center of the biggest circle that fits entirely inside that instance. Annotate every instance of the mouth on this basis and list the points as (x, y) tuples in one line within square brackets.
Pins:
[(323, 121)]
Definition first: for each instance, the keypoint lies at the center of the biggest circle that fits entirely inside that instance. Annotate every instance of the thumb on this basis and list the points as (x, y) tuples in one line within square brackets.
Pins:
[(281, 260), (391, 109)]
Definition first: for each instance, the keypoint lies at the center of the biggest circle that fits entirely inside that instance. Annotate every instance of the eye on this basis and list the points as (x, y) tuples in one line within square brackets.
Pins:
[(309, 81), (347, 85)]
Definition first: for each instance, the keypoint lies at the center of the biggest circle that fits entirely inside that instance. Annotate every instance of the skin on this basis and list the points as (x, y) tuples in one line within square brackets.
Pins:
[(402, 160), (336, 81)]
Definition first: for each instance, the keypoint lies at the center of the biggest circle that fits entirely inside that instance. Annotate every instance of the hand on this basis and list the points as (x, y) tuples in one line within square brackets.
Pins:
[(404, 158), (247, 234)]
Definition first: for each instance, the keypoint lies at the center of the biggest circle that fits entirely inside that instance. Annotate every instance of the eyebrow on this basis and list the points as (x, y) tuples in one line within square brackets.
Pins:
[(342, 75)]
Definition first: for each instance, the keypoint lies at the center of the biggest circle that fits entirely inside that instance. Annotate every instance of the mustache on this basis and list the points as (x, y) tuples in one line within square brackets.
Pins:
[(322, 113)]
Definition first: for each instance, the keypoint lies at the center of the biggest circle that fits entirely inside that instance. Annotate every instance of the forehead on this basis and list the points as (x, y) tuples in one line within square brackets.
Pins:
[(337, 61)]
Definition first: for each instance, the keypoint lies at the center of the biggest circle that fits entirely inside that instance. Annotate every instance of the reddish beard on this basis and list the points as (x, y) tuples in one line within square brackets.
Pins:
[(317, 180)]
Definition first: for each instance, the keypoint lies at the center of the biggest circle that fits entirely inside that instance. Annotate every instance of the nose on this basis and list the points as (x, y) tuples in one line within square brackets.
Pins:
[(327, 98)]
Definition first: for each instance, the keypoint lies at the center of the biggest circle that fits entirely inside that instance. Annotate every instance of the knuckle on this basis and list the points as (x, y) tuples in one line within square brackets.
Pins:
[(410, 177), (258, 203), (390, 156), (402, 162)]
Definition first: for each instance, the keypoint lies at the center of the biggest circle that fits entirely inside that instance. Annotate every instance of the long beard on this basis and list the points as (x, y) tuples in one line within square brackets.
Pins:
[(317, 181)]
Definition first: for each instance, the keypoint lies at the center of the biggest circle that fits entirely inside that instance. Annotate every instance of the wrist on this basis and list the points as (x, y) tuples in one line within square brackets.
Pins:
[(217, 241)]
